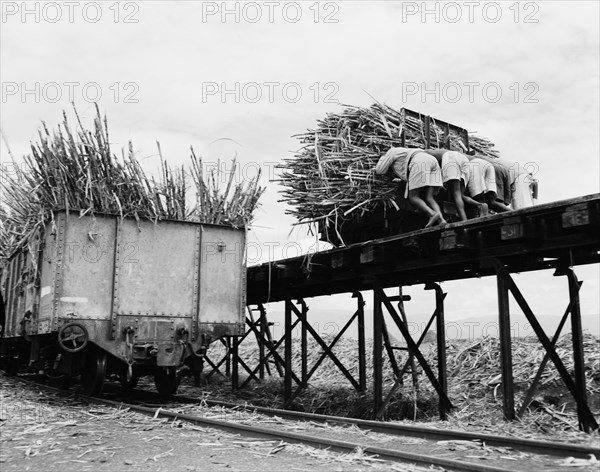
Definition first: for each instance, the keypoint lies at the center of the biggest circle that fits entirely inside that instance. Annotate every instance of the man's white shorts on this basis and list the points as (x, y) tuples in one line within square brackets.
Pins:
[(479, 177), (424, 171), (452, 165)]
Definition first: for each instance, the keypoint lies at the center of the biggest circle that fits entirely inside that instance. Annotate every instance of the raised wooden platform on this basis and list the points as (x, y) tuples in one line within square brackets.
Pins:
[(540, 237)]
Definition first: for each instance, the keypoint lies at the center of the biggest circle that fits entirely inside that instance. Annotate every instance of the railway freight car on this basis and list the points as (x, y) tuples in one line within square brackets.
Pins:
[(102, 295)]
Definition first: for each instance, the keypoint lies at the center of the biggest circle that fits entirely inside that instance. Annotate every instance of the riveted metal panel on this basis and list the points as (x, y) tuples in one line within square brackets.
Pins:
[(20, 288), (196, 314), (222, 275), (58, 265), (87, 268), (48, 266), (174, 279), (14, 312), (155, 269)]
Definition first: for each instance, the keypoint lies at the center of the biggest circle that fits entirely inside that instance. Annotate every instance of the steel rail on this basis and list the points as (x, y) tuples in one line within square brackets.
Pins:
[(424, 432), (315, 441), (296, 438)]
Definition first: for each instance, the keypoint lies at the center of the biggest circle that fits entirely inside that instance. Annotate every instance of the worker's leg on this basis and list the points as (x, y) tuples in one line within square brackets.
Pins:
[(430, 199), (436, 217), (425, 176), (456, 196), (414, 198)]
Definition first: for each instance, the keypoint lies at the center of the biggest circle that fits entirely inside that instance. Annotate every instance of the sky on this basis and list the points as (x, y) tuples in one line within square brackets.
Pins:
[(241, 78)]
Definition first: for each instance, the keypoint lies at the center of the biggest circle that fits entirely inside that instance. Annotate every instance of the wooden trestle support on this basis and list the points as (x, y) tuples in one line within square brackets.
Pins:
[(557, 236), (576, 386), (271, 362)]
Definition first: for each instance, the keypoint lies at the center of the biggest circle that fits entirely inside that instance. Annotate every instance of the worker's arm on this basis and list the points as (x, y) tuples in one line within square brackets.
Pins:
[(385, 162), (470, 202), (465, 198)]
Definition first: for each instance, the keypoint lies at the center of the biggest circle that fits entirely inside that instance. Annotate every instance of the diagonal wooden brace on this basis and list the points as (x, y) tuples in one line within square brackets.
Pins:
[(325, 347), (542, 367), (414, 349), (588, 417)]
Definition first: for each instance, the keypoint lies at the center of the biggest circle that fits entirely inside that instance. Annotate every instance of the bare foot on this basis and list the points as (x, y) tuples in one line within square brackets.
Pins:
[(484, 210), (434, 220)]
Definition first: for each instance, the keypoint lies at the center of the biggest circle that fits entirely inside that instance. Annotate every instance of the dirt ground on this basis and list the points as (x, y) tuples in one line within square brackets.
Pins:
[(41, 431)]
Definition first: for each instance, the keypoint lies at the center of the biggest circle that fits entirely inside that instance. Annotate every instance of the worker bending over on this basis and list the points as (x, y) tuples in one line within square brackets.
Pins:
[(480, 187), (451, 163), (422, 175), (516, 187)]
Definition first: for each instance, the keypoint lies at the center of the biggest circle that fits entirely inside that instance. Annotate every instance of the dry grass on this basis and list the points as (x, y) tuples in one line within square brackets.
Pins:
[(473, 377)]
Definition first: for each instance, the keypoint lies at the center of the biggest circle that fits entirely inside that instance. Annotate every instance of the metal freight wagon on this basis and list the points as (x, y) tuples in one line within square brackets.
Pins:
[(99, 295)]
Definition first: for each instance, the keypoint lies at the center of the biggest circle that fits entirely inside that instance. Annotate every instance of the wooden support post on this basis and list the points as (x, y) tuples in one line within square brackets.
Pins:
[(259, 334), (387, 343), (413, 348), (538, 376), (377, 351), (304, 340), (427, 123), (234, 363), (578, 357), (279, 361), (411, 358), (441, 343), (261, 344), (362, 355), (327, 352), (228, 356), (446, 143), (508, 394), (558, 363), (408, 363), (287, 358), (264, 326)]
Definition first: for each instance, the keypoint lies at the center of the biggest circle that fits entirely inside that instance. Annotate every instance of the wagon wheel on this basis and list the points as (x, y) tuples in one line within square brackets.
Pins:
[(65, 381), (166, 380), (12, 363), (94, 371), (73, 337)]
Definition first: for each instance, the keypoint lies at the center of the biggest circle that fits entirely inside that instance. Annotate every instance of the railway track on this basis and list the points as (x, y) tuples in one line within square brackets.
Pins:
[(153, 405), (423, 432)]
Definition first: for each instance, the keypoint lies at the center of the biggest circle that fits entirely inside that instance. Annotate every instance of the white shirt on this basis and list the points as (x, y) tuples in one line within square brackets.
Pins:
[(398, 158)]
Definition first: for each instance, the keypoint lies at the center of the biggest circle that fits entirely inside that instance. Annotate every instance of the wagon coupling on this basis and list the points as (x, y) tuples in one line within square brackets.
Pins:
[(73, 337)]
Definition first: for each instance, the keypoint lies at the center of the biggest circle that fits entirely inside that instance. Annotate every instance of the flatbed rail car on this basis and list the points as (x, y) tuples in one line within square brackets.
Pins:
[(104, 295), (534, 238), (382, 222)]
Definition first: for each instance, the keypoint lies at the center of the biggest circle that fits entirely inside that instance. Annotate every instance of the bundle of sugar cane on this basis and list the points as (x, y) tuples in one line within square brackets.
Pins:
[(234, 206), (72, 171), (331, 177), (78, 171)]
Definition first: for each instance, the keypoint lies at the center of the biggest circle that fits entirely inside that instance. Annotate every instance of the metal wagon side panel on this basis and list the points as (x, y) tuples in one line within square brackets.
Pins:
[(156, 272), (20, 290), (12, 295), (84, 278), (50, 260), (222, 281)]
